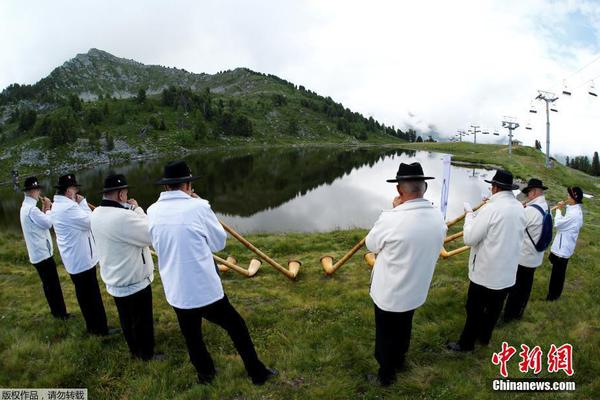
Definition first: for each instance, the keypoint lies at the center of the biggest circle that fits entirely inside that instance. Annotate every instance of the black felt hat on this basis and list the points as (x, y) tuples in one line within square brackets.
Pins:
[(115, 182), (66, 181), (534, 183), (32, 183), (410, 172), (176, 172), (503, 179)]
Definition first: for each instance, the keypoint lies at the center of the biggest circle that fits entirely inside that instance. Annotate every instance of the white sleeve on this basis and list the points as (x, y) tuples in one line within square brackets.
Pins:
[(78, 217), (136, 230), (565, 222), (39, 218), (375, 238), (476, 227), (215, 235)]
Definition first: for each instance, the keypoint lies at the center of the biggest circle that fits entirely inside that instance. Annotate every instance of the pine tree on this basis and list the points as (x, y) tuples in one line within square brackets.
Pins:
[(595, 165)]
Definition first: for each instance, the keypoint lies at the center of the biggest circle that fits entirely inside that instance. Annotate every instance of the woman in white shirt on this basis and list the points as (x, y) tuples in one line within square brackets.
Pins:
[(567, 229)]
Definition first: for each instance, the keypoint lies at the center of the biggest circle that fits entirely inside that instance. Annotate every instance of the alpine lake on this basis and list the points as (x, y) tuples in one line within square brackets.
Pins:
[(282, 189)]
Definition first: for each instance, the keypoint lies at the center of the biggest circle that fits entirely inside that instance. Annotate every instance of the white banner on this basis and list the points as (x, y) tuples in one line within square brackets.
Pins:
[(446, 161)]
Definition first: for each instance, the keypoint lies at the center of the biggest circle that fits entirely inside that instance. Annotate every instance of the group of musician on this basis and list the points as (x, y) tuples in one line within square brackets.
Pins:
[(506, 242), (117, 235)]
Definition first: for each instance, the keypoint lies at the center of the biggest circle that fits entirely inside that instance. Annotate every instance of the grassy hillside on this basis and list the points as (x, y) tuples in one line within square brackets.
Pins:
[(98, 108), (318, 331)]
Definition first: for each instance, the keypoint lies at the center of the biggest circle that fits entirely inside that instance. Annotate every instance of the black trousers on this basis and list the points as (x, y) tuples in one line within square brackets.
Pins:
[(557, 278), (392, 339), (483, 309), (90, 301), (518, 295), (51, 285), (223, 314), (135, 314)]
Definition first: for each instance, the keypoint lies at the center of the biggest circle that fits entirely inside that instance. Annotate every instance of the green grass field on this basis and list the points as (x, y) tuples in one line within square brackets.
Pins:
[(318, 331)]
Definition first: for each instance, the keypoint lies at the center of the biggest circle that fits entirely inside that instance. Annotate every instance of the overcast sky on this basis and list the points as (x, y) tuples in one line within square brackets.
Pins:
[(429, 64)]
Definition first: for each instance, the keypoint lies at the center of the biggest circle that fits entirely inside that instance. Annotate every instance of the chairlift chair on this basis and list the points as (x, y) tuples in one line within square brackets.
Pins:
[(532, 109), (592, 89), (566, 91), (485, 133), (554, 109), (496, 134)]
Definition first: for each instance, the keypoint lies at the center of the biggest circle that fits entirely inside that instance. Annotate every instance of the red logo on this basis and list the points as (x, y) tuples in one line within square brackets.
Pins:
[(559, 359)]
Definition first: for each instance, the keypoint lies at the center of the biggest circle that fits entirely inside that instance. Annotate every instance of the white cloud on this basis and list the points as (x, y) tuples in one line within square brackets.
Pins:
[(448, 63)]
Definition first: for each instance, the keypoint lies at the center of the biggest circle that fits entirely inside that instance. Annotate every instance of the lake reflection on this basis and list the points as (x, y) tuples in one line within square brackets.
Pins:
[(286, 189)]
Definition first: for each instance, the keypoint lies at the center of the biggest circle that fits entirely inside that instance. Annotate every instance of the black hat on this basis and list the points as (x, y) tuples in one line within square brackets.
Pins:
[(576, 194), (114, 182), (176, 172), (533, 183), (409, 172), (503, 179), (32, 183), (66, 181)]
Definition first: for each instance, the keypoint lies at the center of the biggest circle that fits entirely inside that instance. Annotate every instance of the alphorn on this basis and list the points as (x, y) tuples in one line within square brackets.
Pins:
[(327, 261), (293, 265), (445, 254), (230, 263)]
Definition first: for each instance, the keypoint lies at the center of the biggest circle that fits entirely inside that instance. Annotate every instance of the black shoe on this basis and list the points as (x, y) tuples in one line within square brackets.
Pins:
[(205, 379), (154, 357), (271, 372), (158, 357), (455, 346), (113, 331), (386, 381)]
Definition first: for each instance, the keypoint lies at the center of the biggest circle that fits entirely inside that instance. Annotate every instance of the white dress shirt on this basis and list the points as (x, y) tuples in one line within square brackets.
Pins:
[(407, 240), (122, 238), (185, 232), (36, 230), (567, 230), (495, 234), (73, 234), (530, 257)]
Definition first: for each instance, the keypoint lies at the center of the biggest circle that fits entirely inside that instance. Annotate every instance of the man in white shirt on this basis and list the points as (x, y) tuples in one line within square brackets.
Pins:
[(495, 235), (36, 226), (567, 230), (407, 240), (185, 232), (530, 258), (122, 235), (71, 219)]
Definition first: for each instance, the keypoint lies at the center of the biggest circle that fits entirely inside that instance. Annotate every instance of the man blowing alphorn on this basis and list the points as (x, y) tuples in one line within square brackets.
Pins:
[(185, 232), (407, 240), (495, 235), (122, 235), (71, 219), (530, 258), (36, 226)]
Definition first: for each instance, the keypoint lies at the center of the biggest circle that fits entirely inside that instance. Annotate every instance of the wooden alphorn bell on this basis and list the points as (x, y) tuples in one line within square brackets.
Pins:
[(293, 265), (229, 263), (327, 261)]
